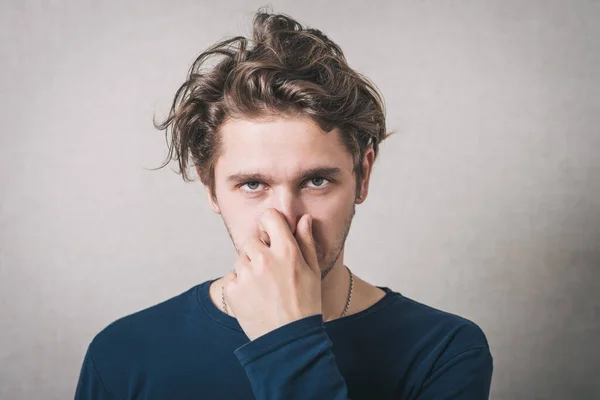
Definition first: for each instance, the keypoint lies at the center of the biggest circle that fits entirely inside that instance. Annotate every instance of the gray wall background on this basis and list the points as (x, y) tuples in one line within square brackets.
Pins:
[(486, 203)]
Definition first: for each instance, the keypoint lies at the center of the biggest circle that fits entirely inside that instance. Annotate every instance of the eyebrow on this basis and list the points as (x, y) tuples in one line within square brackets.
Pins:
[(242, 177)]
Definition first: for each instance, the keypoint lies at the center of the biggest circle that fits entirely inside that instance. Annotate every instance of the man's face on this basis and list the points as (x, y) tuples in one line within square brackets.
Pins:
[(267, 164)]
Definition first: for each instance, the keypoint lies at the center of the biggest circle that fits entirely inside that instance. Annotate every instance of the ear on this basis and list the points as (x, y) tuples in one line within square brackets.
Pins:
[(213, 202), (367, 166)]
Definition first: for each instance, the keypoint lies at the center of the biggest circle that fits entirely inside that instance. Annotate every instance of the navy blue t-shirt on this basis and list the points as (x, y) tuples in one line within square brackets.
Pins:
[(187, 348)]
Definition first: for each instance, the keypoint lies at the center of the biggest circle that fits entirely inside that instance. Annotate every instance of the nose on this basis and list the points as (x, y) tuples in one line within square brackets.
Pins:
[(289, 205)]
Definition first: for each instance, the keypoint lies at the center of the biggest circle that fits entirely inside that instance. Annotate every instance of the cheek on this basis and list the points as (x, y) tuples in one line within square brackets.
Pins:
[(246, 224), (325, 228), (331, 223), (241, 221)]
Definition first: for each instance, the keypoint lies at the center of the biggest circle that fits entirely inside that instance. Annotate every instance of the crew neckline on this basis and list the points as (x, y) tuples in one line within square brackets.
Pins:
[(206, 303)]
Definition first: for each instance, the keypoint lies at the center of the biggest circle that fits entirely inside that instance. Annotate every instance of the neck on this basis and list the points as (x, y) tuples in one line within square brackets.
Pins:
[(334, 291)]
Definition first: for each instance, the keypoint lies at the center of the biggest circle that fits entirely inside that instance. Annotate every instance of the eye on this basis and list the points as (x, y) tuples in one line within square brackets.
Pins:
[(252, 186), (319, 181)]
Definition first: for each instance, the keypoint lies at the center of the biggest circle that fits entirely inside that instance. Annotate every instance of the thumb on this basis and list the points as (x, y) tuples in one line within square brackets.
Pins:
[(306, 242)]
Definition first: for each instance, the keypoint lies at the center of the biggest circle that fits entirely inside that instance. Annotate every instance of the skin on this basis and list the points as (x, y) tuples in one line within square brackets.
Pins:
[(284, 269)]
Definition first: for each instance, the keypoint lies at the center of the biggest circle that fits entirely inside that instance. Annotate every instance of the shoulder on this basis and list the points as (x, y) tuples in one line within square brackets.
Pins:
[(428, 334), (439, 339), (149, 318), (128, 339), (134, 345), (454, 353), (427, 323)]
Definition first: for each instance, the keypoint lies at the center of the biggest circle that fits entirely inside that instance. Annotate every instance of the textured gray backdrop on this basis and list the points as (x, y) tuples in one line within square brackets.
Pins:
[(486, 203)]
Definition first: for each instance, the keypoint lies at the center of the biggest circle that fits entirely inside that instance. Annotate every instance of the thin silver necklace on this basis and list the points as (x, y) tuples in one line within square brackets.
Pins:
[(345, 308)]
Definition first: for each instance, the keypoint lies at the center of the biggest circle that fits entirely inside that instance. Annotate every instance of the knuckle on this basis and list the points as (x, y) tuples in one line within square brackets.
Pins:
[(261, 258), (245, 249), (289, 252), (261, 269), (271, 212)]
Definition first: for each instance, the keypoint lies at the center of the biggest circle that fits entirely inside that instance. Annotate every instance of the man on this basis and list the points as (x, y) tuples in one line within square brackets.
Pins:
[(283, 135)]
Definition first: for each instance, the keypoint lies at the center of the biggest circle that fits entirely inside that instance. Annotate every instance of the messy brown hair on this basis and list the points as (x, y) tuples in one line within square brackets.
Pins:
[(284, 69)]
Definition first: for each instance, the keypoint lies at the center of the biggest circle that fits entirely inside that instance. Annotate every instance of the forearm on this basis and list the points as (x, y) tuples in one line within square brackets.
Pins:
[(295, 361)]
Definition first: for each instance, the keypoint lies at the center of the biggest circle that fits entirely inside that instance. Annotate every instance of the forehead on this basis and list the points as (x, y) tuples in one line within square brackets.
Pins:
[(280, 144)]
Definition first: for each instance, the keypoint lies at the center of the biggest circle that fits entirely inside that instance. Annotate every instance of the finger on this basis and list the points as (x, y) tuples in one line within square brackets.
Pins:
[(306, 242), (252, 248), (275, 226), (229, 281), (240, 266), (229, 278), (264, 237)]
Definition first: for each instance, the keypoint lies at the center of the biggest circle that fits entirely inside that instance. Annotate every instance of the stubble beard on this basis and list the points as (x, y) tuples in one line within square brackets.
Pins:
[(339, 246), (326, 264)]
